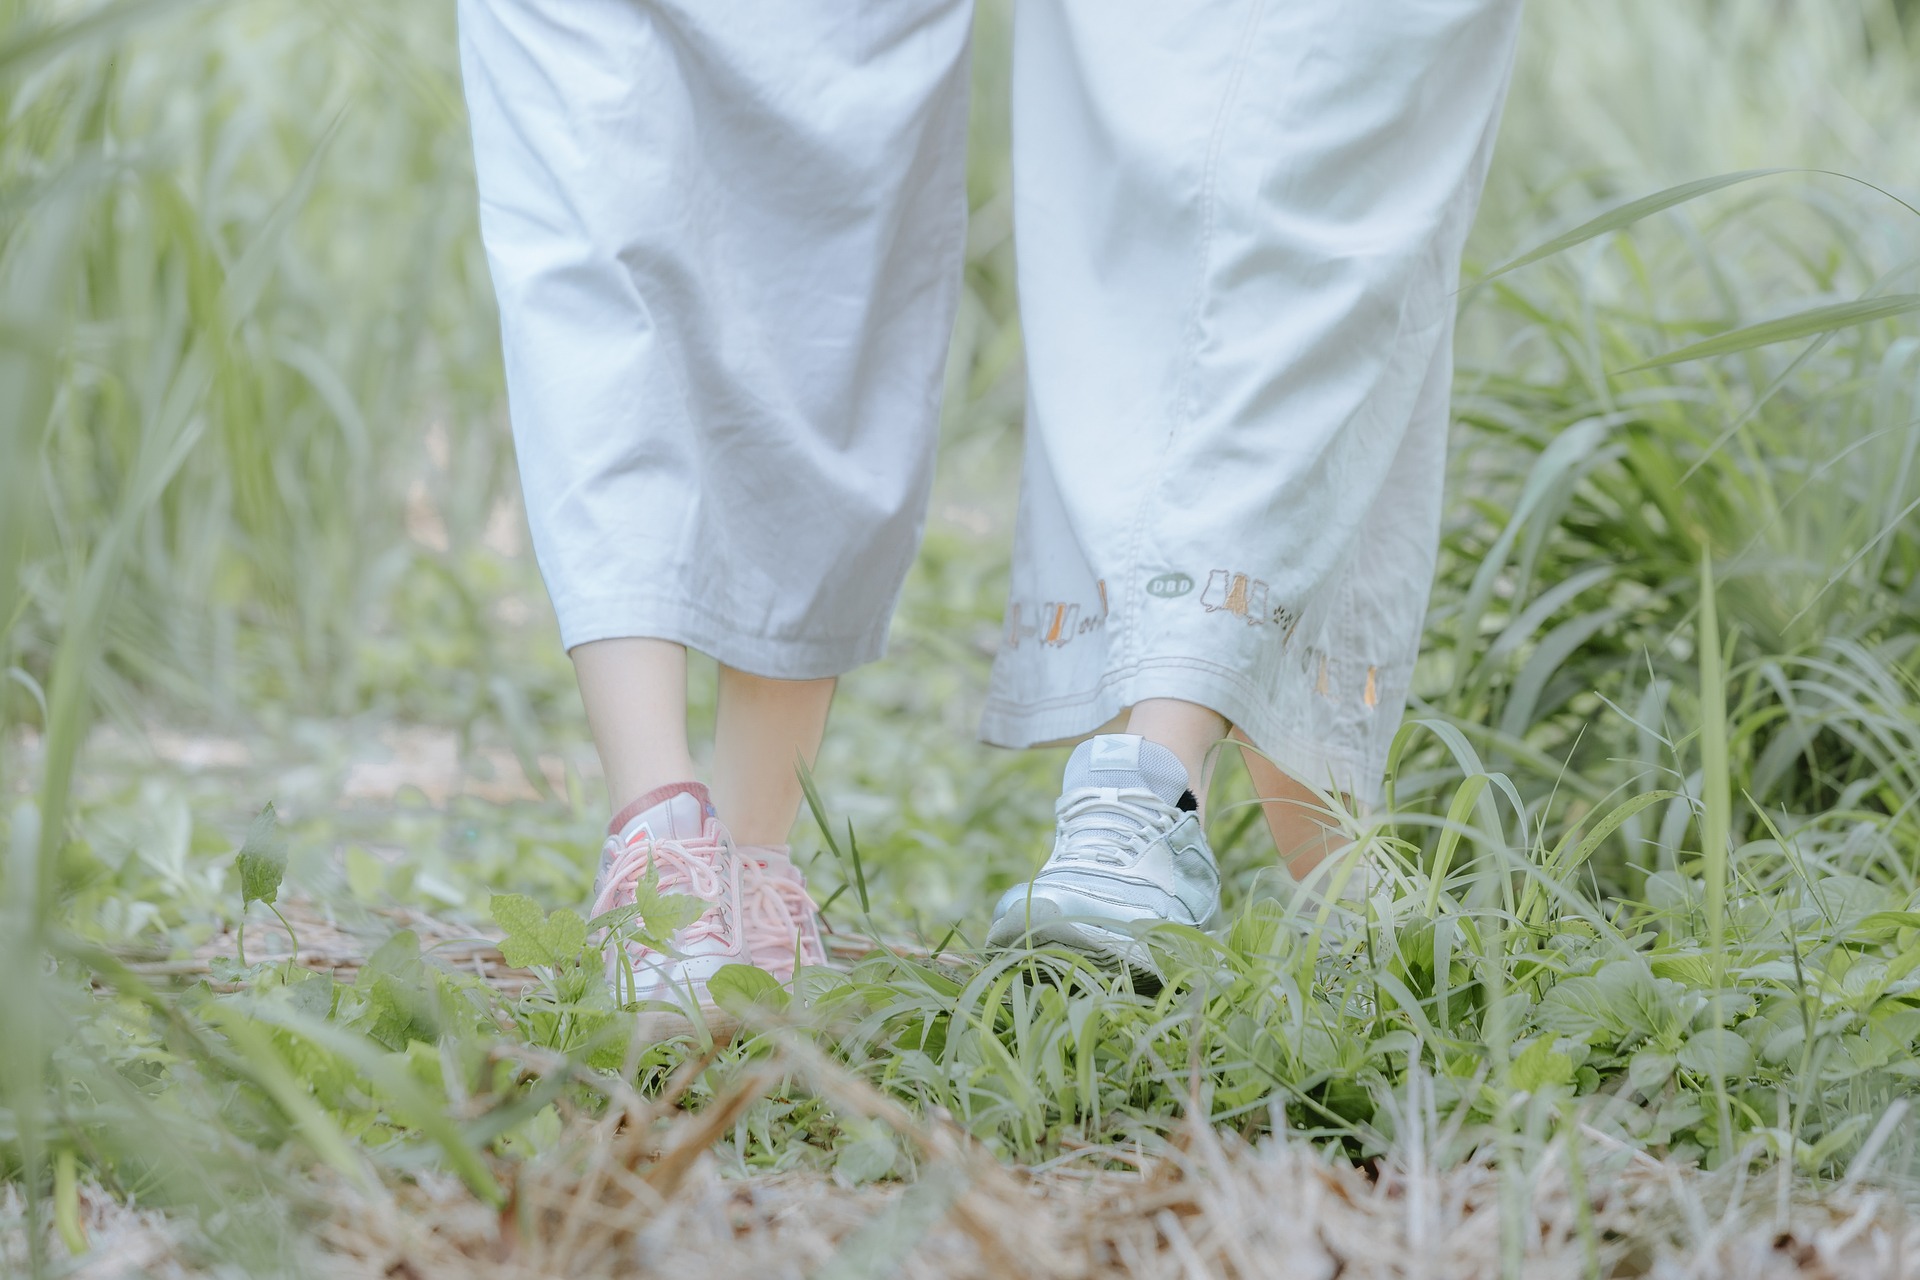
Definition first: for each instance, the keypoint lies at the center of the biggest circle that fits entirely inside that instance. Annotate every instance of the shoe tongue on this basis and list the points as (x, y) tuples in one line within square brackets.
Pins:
[(677, 811), (1126, 760)]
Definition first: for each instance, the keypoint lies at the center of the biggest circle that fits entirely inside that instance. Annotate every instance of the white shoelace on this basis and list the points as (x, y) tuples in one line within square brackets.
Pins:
[(1110, 826)]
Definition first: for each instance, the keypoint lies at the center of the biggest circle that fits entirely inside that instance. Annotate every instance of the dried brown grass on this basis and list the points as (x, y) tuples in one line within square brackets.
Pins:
[(639, 1192)]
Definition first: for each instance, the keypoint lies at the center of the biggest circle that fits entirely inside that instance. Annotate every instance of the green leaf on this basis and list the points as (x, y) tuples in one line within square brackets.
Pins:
[(662, 915), (398, 957), (1540, 1066), (533, 1135), (1695, 968), (366, 874), (520, 916), (865, 1153), (566, 935), (1890, 920), (312, 994), (1801, 324), (1622, 1000), (1812, 1159), (526, 940), (1716, 1052), (1649, 1069), (741, 989), (400, 1001), (1671, 894), (262, 860), (533, 938), (652, 918), (1847, 899)]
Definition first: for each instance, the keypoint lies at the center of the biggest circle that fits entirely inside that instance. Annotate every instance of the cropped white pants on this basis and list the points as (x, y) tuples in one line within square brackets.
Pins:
[(726, 237)]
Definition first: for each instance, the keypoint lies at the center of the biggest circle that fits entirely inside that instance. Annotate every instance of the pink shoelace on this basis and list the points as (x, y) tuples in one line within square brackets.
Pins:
[(781, 917), (700, 867), (773, 901)]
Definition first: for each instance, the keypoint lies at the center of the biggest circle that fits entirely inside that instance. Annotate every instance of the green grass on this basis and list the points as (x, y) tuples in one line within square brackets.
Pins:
[(1650, 861)]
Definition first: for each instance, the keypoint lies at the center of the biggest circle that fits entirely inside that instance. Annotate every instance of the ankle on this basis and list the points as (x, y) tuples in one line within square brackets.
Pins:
[(1187, 729), (759, 834), (754, 817)]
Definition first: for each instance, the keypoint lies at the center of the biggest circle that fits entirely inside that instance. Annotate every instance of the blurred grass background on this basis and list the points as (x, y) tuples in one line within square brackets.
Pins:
[(256, 469), (255, 481)]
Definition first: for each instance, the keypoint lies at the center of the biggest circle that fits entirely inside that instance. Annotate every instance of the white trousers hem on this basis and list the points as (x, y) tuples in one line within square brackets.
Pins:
[(1319, 763), (723, 639)]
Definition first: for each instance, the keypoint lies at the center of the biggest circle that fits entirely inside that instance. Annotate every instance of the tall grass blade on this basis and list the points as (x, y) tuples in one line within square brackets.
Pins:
[(22, 1053), (248, 278), (859, 870), (1802, 324), (1626, 215), (1464, 799), (39, 277), (1716, 794), (163, 446)]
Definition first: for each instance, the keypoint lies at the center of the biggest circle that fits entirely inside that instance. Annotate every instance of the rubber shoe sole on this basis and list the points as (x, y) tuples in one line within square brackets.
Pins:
[(1038, 922)]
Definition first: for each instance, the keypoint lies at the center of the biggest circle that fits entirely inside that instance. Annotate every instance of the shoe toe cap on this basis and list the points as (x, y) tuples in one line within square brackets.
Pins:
[(1018, 909)]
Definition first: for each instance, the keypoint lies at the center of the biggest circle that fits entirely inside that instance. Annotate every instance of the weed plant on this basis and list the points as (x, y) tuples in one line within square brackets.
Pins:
[(1648, 869)]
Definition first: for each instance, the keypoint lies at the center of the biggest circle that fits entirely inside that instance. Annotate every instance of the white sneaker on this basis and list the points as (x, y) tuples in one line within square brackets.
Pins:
[(1128, 852)]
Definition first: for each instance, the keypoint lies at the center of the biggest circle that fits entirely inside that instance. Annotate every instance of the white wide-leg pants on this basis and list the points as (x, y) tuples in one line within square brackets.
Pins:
[(726, 239)]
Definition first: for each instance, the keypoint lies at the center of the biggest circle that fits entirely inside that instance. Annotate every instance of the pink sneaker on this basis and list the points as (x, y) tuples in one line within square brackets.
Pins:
[(760, 912), (783, 921), (672, 832)]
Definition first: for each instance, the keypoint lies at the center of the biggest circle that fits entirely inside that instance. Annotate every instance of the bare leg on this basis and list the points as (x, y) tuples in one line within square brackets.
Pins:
[(761, 727), (636, 696), (1302, 830), (1187, 729)]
